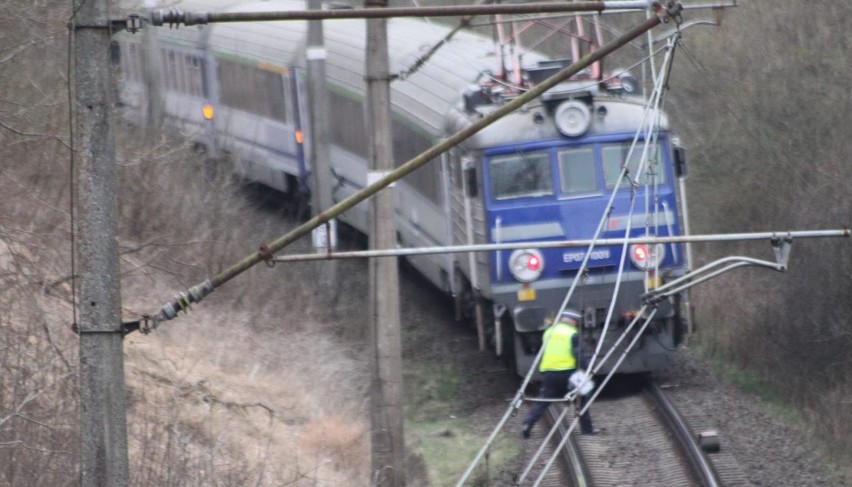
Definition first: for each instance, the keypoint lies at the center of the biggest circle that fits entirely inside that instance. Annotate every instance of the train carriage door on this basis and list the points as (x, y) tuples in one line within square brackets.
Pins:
[(298, 113), (446, 199)]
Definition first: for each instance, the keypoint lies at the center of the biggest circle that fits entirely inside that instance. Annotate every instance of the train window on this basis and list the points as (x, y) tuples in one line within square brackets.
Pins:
[(252, 89), (348, 129), (520, 175), (171, 71), (128, 62), (180, 74), (456, 171), (614, 156), (135, 62), (193, 75), (577, 171), (408, 144), (164, 68), (114, 53)]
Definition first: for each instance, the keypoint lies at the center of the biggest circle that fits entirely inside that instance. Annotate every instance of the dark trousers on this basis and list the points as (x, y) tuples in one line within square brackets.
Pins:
[(554, 385)]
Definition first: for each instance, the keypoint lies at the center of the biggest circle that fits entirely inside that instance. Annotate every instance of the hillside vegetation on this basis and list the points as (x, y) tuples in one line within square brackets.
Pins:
[(761, 102), (217, 398)]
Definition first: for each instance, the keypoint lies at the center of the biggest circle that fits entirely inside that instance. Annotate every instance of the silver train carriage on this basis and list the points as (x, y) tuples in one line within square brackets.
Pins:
[(239, 88)]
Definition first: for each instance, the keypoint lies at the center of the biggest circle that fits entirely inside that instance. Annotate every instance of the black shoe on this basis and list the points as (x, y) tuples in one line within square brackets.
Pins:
[(526, 431), (591, 432)]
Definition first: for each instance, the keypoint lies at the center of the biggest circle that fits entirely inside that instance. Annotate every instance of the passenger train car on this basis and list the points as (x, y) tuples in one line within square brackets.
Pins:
[(542, 173)]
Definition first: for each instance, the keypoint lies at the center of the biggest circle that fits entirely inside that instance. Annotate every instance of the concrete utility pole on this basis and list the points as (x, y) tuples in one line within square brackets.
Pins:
[(319, 112), (388, 449), (102, 397), (319, 136)]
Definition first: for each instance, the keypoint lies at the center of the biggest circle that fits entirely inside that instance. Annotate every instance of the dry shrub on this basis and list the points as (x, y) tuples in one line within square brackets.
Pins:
[(38, 400), (340, 439), (830, 417), (229, 409), (240, 380), (754, 169)]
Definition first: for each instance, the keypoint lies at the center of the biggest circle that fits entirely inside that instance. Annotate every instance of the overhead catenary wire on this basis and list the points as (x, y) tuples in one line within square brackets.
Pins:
[(599, 230), (650, 137), (515, 405), (582, 88), (551, 244), (592, 399), (420, 61), (650, 129), (572, 395), (647, 128), (72, 163)]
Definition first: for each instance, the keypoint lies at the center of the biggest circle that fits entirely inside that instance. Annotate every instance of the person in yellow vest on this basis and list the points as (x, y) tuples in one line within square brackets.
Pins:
[(559, 361)]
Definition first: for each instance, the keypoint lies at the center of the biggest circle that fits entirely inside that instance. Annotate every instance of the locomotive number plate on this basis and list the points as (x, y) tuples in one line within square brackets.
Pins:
[(526, 294)]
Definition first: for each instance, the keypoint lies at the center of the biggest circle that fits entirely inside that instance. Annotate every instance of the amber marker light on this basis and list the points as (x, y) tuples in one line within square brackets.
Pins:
[(207, 111), (300, 137)]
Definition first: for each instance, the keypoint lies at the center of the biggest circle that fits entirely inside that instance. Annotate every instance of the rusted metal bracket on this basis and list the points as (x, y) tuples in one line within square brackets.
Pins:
[(126, 328), (133, 24), (780, 247)]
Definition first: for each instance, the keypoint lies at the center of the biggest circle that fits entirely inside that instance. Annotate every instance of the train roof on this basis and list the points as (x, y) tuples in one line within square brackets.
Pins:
[(424, 97), (624, 116)]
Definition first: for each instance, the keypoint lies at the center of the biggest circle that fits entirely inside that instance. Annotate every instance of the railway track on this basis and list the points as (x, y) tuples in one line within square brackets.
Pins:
[(645, 442), (567, 462)]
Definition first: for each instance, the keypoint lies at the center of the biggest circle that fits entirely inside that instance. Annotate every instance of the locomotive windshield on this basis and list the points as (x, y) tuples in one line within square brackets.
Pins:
[(521, 175), (614, 156), (577, 171)]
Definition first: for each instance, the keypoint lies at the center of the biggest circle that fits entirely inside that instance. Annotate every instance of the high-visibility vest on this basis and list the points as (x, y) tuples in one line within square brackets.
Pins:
[(558, 351)]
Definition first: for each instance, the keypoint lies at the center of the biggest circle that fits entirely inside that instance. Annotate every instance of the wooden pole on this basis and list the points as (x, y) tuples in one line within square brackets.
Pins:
[(388, 449)]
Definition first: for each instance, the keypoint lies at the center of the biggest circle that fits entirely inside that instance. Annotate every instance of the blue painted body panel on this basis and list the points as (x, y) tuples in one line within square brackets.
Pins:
[(555, 217)]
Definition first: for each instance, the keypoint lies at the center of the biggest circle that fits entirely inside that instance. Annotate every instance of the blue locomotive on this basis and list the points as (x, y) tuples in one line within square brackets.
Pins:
[(544, 173)]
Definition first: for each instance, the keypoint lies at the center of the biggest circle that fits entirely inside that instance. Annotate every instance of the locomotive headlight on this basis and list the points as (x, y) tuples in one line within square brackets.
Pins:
[(526, 265), (647, 257), (572, 118)]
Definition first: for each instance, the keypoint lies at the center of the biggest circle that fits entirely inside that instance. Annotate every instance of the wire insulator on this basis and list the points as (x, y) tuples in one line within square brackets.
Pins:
[(175, 17)]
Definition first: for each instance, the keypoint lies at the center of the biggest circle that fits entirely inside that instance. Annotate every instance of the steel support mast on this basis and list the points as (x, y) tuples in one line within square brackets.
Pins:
[(103, 428)]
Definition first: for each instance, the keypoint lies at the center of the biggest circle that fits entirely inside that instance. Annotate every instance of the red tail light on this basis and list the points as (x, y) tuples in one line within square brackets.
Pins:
[(526, 265), (645, 257)]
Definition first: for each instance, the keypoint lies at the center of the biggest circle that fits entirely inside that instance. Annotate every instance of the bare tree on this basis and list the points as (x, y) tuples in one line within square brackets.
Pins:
[(762, 100)]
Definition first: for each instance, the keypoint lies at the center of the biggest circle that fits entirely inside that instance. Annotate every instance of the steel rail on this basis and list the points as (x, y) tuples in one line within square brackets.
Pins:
[(603, 384), (570, 452), (697, 460), (173, 17), (457, 249), (195, 294)]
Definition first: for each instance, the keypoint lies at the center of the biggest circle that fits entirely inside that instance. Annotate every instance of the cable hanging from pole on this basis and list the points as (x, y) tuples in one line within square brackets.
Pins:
[(519, 396), (654, 110), (651, 129)]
